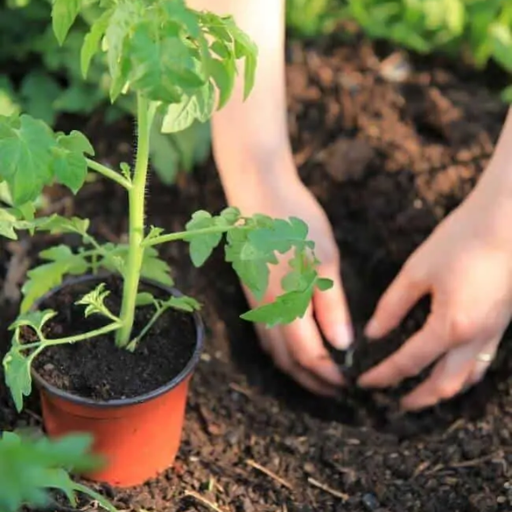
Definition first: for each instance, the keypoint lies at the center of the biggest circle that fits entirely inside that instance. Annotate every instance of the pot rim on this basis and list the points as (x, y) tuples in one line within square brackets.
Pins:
[(123, 402)]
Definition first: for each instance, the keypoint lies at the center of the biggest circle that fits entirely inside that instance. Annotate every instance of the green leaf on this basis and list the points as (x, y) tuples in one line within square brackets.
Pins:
[(57, 225), (300, 286), (202, 245), (97, 497), (59, 479), (145, 299), (9, 102), (184, 303), (34, 319), (501, 36), (17, 376), (281, 236), (247, 49), (223, 73), (25, 156), (26, 211), (39, 92), (121, 24), (30, 467), (252, 250), (285, 309), (162, 65), (45, 277), (506, 94), (324, 284), (93, 39), (69, 163), (64, 13), (154, 268), (249, 74), (95, 302), (8, 224), (182, 115)]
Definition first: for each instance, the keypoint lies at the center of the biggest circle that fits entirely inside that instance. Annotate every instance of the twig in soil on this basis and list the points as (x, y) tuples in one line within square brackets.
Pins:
[(421, 468), (475, 462), (455, 426), (464, 464), (207, 503), (338, 494), (34, 415), (270, 474), (239, 389)]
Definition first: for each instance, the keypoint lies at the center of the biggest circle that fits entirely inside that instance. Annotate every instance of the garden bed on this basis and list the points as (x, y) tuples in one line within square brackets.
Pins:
[(387, 160)]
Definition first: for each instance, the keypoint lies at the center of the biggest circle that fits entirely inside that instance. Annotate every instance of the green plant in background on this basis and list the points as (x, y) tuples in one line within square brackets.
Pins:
[(181, 64), (309, 18), (482, 28), (43, 79), (30, 468)]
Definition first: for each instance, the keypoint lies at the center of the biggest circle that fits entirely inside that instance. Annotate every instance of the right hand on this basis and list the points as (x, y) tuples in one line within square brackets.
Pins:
[(297, 348)]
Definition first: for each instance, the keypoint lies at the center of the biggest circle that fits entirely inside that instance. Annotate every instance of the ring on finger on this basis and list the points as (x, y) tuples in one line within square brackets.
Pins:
[(485, 357)]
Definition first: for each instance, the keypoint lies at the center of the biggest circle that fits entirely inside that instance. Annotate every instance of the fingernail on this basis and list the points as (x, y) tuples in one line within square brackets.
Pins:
[(372, 329), (342, 337)]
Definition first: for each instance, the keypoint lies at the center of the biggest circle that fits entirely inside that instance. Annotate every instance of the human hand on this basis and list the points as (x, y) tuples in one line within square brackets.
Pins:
[(466, 267), (297, 348)]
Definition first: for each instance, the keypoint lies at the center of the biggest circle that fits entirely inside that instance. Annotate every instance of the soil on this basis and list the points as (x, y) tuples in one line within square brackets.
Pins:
[(99, 370), (388, 160)]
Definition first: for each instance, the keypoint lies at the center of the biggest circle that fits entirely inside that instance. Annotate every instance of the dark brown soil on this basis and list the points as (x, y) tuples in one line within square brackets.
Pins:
[(388, 161), (97, 368)]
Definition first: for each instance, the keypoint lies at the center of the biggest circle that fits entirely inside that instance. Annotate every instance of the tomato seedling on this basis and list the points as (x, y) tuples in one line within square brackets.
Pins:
[(181, 64)]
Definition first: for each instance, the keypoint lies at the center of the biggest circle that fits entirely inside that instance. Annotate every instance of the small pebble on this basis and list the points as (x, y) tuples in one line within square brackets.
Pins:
[(309, 468), (370, 502), (247, 505)]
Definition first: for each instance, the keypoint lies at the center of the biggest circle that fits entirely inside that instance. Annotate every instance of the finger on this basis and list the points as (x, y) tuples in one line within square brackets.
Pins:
[(447, 379), (275, 346), (306, 348), (403, 293), (331, 310), (416, 354), (484, 360)]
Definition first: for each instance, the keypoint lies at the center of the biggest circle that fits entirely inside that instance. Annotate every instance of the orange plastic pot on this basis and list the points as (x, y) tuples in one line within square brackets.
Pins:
[(138, 437)]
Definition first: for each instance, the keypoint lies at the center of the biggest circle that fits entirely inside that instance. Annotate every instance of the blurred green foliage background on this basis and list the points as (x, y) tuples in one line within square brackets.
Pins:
[(39, 77)]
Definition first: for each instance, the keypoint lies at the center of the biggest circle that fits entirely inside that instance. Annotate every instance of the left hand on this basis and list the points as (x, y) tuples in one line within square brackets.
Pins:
[(466, 267)]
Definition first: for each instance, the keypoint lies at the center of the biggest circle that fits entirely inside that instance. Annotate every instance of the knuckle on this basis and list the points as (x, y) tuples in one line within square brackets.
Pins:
[(463, 326)]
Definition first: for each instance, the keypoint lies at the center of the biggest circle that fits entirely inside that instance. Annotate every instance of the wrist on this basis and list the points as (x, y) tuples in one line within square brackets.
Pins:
[(246, 171), (497, 178)]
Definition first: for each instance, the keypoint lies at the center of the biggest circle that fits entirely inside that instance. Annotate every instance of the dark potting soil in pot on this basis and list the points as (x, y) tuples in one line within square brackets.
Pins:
[(97, 368)]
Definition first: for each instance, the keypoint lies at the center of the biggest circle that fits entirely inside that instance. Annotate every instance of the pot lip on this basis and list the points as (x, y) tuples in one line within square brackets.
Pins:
[(123, 402)]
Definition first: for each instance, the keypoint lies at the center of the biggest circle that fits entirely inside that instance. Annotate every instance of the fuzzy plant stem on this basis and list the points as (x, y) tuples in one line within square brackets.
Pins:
[(136, 199)]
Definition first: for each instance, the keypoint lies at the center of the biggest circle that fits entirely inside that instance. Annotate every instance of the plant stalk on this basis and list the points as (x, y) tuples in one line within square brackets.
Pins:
[(189, 235), (136, 199), (108, 173)]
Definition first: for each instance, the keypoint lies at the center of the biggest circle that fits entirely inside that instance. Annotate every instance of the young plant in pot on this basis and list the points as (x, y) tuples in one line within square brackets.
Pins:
[(108, 340)]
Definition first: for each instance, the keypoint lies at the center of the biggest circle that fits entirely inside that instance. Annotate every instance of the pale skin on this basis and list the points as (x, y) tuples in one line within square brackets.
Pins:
[(465, 265)]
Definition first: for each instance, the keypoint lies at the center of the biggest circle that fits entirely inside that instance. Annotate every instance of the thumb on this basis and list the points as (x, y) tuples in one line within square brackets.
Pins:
[(395, 303), (331, 309)]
